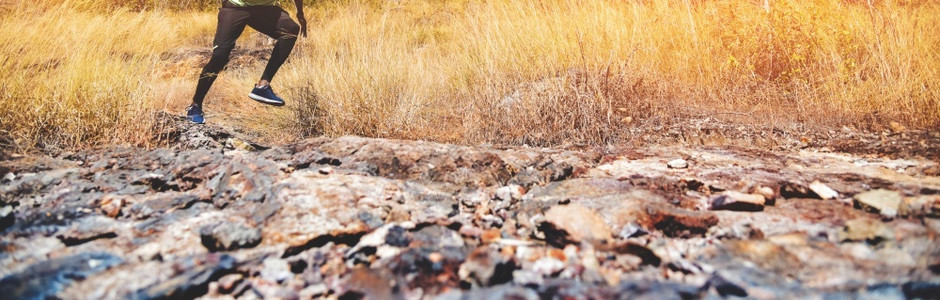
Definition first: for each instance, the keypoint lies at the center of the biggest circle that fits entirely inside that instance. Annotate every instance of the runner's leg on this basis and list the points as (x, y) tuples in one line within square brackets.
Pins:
[(276, 23), (232, 22)]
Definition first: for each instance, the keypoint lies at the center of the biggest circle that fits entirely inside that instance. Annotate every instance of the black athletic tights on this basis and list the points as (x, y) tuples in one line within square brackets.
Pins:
[(269, 20)]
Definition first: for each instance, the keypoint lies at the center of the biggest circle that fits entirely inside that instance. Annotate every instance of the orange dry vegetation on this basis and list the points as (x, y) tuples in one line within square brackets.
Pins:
[(469, 71)]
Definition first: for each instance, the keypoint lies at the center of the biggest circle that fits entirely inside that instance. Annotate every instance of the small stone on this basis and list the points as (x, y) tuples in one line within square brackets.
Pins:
[(111, 205), (313, 291), (229, 282), (882, 201), (726, 287), (823, 191), (631, 230), (239, 144), (925, 205), (9, 177), (490, 236), (435, 257), (767, 192), (471, 231), (510, 192), (678, 164), (229, 236), (578, 222), (275, 270), (737, 232), (527, 277), (6, 217), (195, 273), (932, 207), (88, 229), (267, 290), (866, 230), (479, 267), (737, 201), (388, 234), (372, 284), (676, 222), (791, 190), (548, 266)]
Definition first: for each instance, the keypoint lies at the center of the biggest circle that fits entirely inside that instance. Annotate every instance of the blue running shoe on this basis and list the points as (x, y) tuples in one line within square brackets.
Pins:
[(194, 114), (266, 95)]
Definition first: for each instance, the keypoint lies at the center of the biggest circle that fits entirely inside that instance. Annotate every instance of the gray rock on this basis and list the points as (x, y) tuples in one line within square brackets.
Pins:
[(656, 290), (191, 279), (498, 292), (631, 230), (45, 279), (229, 236), (88, 229)]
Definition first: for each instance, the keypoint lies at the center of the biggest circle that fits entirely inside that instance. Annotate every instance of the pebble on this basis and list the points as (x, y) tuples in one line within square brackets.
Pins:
[(823, 191), (229, 236), (547, 266), (275, 270), (510, 192), (885, 202), (313, 291), (678, 164), (111, 205), (737, 201), (229, 282)]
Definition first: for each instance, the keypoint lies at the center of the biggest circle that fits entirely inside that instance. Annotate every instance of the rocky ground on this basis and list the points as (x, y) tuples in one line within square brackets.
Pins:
[(219, 218)]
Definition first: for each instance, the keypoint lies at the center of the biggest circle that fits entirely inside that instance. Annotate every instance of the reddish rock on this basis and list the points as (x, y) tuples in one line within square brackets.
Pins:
[(677, 222)]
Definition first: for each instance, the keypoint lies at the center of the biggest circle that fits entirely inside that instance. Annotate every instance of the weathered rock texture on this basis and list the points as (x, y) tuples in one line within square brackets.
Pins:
[(385, 219)]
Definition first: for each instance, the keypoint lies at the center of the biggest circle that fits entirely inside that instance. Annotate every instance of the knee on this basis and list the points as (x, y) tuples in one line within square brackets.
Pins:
[(289, 30), (221, 53)]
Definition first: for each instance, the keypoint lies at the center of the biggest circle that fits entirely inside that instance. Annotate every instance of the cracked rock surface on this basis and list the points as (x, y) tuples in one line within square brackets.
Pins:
[(355, 217)]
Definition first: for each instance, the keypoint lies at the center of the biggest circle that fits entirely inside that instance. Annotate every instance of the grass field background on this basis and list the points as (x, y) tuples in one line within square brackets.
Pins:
[(84, 73)]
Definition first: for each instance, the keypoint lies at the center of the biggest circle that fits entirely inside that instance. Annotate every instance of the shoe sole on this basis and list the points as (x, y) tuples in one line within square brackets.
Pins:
[(265, 100), (194, 121)]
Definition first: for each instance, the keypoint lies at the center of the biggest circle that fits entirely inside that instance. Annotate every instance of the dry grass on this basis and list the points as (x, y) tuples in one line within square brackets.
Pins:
[(536, 72)]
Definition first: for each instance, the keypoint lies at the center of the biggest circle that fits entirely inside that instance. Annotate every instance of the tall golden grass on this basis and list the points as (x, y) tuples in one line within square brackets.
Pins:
[(81, 73)]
